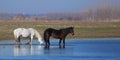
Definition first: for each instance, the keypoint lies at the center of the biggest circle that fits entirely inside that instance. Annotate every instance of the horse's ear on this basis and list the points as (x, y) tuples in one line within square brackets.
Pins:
[(72, 27)]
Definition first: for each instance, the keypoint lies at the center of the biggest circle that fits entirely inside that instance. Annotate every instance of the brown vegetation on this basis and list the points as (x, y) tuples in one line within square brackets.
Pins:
[(83, 29)]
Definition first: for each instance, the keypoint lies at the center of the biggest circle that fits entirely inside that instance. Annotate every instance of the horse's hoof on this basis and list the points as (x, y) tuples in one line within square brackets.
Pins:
[(46, 47), (60, 47), (63, 46), (17, 43), (27, 43)]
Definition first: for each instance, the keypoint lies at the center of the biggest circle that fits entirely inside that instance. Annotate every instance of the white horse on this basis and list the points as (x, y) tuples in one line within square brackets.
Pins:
[(27, 33)]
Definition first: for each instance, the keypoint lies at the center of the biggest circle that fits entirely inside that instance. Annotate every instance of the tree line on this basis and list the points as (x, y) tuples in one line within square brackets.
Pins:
[(100, 13)]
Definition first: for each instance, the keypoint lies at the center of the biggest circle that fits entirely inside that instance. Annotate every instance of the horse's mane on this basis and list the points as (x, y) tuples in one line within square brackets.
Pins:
[(36, 32), (70, 28), (37, 35), (66, 28)]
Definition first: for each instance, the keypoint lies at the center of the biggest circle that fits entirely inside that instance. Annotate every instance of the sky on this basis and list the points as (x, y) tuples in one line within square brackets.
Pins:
[(46, 6)]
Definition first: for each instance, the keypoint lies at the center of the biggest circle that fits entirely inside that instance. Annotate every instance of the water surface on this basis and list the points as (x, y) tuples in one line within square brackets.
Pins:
[(76, 49)]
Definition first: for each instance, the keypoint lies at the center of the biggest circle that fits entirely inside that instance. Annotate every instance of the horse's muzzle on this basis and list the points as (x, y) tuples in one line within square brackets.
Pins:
[(72, 33)]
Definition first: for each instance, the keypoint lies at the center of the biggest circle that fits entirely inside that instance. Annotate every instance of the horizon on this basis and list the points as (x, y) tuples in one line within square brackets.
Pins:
[(47, 6)]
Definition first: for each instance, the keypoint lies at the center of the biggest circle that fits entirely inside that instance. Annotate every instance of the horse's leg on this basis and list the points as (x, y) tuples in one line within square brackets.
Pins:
[(18, 40), (47, 42), (60, 43), (29, 42), (64, 43), (31, 39)]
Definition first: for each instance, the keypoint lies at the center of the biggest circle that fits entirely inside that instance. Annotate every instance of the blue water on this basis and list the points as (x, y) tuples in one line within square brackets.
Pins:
[(76, 49)]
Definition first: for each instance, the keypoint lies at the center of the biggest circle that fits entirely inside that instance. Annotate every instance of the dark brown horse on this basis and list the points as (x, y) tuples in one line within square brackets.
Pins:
[(58, 34)]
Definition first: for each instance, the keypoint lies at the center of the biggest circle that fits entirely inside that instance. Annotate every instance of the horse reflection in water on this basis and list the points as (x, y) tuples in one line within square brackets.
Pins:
[(24, 50)]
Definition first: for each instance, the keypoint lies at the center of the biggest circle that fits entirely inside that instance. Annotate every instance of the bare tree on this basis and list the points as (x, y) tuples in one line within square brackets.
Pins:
[(19, 17)]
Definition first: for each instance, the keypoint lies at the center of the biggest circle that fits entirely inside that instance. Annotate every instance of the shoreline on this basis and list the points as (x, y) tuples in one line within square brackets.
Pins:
[(71, 39), (86, 29)]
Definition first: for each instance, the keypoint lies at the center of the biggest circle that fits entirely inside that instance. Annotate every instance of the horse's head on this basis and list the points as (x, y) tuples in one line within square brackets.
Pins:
[(71, 29)]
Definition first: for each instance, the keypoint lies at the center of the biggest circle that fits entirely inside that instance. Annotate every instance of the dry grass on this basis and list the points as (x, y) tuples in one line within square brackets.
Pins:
[(83, 29)]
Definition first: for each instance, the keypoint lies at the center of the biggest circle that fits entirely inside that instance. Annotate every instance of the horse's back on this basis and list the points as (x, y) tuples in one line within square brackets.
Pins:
[(50, 30), (21, 32), (32, 31), (17, 31)]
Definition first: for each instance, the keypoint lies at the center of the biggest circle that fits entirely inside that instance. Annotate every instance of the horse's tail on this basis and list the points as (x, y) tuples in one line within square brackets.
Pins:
[(47, 34), (15, 35)]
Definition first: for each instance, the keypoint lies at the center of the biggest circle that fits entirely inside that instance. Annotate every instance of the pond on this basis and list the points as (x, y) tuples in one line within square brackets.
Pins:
[(76, 49)]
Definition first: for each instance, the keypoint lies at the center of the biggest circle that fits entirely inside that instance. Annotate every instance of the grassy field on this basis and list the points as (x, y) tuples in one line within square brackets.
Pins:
[(83, 29)]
